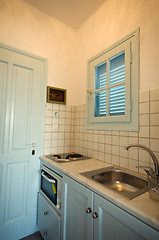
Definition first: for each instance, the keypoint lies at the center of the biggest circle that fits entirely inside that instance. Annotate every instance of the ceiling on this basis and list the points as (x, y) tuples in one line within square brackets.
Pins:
[(70, 12)]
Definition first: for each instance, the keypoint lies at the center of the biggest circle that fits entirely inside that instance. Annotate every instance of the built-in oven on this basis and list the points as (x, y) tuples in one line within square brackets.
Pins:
[(51, 187)]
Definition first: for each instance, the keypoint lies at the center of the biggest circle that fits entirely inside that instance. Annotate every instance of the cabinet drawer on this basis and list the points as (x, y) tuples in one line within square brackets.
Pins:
[(48, 220)]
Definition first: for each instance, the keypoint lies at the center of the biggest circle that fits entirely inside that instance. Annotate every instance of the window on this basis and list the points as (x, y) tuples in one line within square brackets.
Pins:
[(112, 87)]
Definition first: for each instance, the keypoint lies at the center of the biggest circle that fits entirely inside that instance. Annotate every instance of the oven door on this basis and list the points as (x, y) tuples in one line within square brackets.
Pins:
[(51, 185)]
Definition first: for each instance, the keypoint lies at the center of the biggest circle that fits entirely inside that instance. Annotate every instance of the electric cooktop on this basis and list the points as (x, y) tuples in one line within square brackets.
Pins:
[(66, 157)]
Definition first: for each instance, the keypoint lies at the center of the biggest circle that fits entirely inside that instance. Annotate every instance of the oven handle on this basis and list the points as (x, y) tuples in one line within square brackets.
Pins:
[(49, 180)]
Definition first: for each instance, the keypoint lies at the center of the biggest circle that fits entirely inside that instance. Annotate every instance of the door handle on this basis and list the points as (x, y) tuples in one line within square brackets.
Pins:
[(31, 145), (88, 210), (95, 215), (45, 233)]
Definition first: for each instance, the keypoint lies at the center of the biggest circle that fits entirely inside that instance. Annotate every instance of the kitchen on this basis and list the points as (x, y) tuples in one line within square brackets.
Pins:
[(27, 28)]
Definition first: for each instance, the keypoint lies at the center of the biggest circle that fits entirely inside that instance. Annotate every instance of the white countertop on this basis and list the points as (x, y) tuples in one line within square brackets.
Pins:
[(142, 207)]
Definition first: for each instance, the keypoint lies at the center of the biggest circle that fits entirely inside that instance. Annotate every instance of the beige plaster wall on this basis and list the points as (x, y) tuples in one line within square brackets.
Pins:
[(24, 27), (113, 21)]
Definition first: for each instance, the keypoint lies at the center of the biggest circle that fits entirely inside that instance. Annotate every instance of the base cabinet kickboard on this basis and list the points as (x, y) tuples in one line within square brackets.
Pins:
[(88, 216), (49, 221)]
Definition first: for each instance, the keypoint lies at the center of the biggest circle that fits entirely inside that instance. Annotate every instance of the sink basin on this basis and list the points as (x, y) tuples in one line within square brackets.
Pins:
[(120, 181)]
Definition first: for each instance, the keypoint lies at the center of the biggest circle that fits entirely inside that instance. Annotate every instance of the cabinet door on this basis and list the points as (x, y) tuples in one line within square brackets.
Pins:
[(113, 223), (48, 220), (77, 224)]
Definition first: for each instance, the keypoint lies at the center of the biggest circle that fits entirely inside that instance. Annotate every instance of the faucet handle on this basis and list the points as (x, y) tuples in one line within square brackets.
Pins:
[(155, 161), (149, 171)]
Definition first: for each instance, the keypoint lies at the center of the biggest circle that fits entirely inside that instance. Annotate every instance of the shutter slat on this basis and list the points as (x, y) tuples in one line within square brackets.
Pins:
[(101, 80), (117, 69), (117, 100), (101, 104), (117, 93), (101, 76)]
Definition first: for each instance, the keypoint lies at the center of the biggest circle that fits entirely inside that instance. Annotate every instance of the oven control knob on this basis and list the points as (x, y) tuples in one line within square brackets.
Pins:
[(58, 206)]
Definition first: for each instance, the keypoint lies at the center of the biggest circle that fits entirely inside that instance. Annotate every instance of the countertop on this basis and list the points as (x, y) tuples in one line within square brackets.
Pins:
[(142, 207)]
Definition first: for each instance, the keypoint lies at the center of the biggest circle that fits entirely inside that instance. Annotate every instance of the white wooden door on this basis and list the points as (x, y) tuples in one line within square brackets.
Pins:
[(22, 88)]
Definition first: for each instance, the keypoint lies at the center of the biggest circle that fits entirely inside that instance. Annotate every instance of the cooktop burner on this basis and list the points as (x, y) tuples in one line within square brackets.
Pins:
[(67, 157)]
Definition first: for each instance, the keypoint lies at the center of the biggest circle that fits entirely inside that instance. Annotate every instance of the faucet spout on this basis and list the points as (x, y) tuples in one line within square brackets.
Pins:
[(155, 161)]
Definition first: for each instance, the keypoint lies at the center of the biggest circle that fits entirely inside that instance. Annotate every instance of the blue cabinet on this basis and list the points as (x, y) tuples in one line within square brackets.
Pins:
[(86, 215), (48, 220), (77, 223), (114, 223)]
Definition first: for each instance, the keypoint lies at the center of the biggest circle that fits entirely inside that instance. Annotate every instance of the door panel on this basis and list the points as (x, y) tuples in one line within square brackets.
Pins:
[(3, 82), (0, 179), (14, 181), (21, 124), (20, 104)]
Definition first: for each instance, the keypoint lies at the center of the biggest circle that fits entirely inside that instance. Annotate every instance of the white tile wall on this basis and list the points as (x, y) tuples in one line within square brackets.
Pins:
[(67, 133), (58, 128)]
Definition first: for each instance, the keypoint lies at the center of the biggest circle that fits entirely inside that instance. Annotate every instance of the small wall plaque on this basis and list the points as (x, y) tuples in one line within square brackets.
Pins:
[(56, 95)]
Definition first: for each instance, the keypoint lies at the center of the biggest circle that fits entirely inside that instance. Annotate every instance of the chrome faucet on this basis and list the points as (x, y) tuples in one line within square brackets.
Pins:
[(155, 161)]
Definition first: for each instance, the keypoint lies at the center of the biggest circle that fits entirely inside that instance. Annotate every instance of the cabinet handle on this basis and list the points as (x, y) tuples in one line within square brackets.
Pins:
[(95, 215), (88, 210), (45, 233), (45, 213)]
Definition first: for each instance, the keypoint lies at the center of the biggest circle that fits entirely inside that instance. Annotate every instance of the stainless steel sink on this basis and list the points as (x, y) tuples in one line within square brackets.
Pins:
[(120, 181)]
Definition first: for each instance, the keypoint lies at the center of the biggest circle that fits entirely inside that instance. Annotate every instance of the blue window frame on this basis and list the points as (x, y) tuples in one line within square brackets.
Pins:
[(112, 87)]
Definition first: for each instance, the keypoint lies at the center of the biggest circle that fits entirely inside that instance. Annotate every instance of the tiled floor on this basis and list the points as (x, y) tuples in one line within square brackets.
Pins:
[(35, 236)]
